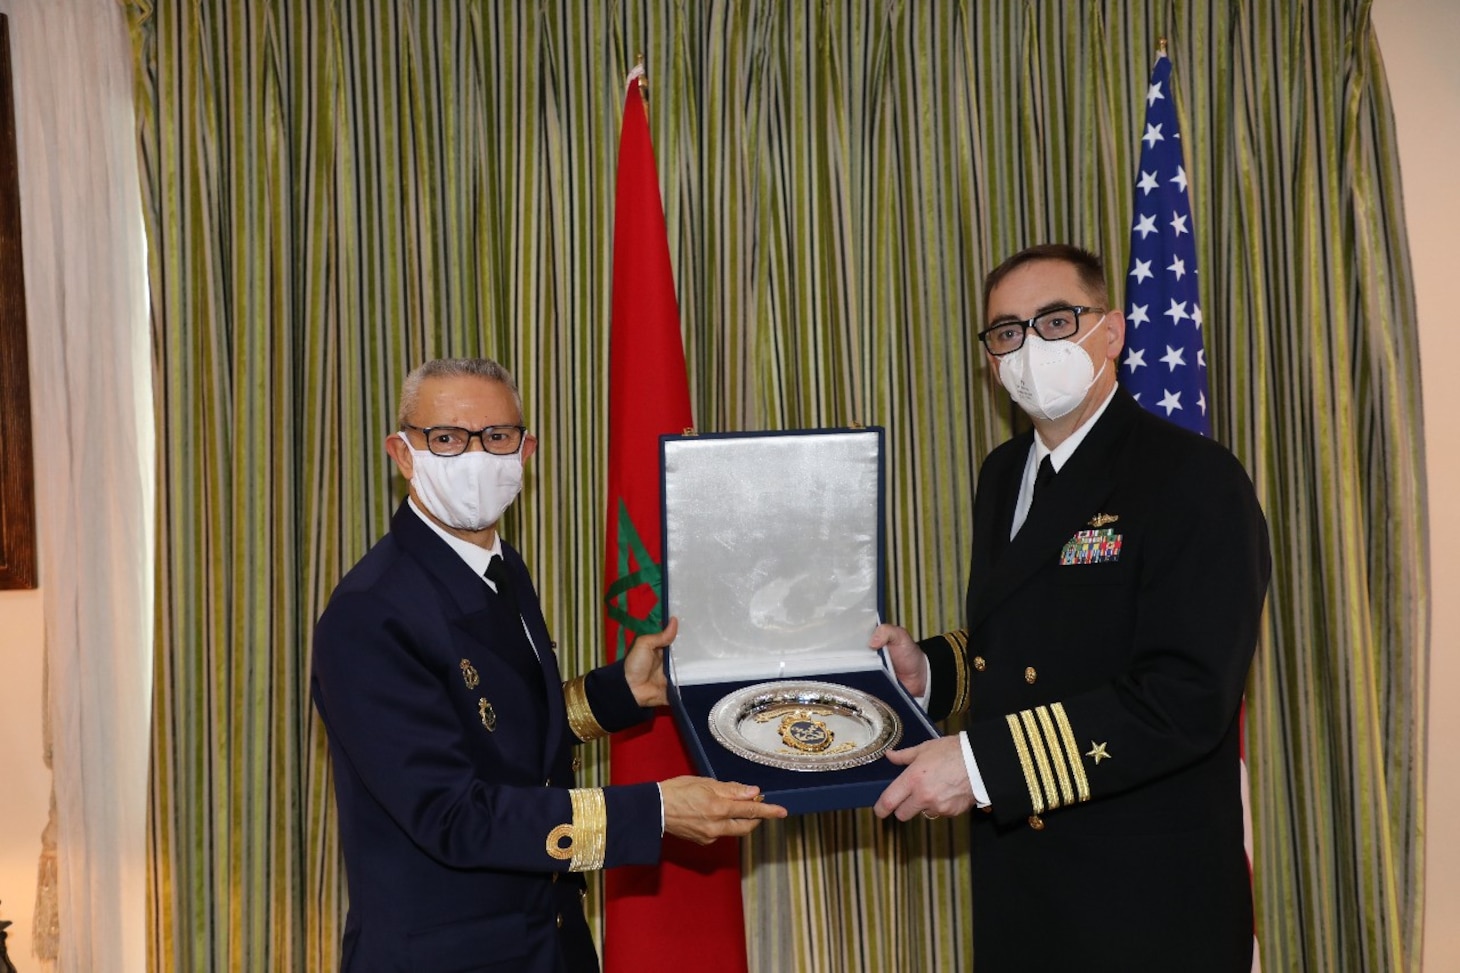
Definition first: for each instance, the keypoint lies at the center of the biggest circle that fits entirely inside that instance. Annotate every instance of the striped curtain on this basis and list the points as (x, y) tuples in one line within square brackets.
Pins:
[(336, 191)]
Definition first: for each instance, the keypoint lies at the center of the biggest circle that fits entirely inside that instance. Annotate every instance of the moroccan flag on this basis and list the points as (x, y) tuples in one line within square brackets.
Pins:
[(688, 906), (1165, 366)]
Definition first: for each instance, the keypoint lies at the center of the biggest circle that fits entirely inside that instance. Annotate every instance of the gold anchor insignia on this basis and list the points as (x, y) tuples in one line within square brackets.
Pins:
[(1097, 752), (488, 715), (469, 674), (1100, 520)]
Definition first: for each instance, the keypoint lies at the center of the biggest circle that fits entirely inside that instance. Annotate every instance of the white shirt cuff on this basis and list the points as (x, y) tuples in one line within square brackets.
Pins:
[(927, 684), (661, 808), (975, 779)]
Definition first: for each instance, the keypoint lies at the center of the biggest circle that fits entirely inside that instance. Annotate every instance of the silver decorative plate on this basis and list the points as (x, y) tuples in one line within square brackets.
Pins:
[(801, 725)]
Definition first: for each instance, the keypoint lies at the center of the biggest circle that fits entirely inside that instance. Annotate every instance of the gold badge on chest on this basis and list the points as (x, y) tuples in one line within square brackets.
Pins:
[(487, 713), (469, 674)]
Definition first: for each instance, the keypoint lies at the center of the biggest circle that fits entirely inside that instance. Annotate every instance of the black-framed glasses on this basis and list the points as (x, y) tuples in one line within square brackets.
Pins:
[(454, 440), (1055, 324)]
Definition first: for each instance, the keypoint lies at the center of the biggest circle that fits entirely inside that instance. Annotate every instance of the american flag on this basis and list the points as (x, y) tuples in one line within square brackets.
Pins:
[(1165, 365)]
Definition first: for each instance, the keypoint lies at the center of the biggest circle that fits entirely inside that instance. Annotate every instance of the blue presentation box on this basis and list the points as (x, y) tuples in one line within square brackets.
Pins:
[(773, 563)]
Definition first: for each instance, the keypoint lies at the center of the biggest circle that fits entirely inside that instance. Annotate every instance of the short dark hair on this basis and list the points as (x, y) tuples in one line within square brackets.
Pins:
[(483, 368), (1089, 266)]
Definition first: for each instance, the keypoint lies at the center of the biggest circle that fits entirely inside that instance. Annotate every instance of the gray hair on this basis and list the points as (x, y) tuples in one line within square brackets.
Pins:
[(451, 368)]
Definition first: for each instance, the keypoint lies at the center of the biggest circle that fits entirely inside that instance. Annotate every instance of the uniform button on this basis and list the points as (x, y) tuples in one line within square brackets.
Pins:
[(548, 782), (560, 920), (979, 664), (1036, 822), (1030, 675)]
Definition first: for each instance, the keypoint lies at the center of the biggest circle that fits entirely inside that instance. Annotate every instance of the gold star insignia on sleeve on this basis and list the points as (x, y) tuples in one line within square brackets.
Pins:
[(1097, 752)]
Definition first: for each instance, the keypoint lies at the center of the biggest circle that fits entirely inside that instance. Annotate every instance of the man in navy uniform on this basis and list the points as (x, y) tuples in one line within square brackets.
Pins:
[(451, 731), (1119, 569)]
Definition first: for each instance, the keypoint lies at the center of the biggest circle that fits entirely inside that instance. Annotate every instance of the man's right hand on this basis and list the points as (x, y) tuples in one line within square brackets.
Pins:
[(701, 810), (909, 664)]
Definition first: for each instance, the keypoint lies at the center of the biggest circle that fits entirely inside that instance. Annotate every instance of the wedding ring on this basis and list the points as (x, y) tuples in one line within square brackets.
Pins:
[(930, 815)]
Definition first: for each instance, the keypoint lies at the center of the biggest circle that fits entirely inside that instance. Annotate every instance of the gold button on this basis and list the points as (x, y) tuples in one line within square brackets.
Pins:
[(560, 920), (979, 664), (1036, 822), (1030, 675)]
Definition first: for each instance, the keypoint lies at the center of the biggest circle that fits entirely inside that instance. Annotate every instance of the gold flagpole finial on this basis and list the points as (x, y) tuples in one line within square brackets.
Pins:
[(637, 74)]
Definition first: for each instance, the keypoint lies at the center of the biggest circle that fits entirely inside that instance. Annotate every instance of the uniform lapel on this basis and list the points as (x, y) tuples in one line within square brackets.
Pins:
[(531, 609), (480, 615), (1065, 504)]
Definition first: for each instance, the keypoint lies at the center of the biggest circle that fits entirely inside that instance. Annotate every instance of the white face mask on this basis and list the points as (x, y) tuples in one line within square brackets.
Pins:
[(469, 491), (1049, 379)]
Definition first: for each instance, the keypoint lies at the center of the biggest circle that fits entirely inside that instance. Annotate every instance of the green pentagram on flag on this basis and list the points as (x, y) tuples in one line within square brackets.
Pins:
[(646, 571)]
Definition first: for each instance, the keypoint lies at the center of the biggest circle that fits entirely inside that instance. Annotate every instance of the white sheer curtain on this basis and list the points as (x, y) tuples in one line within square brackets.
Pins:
[(87, 307)]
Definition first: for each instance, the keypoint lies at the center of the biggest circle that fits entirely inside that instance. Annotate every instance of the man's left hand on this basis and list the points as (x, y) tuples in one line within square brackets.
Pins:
[(644, 666), (934, 784)]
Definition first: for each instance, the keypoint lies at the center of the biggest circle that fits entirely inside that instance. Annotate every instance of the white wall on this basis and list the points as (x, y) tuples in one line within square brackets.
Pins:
[(25, 783), (1417, 38)]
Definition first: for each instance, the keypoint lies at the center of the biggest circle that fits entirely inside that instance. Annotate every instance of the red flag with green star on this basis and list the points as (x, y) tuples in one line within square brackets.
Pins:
[(689, 905)]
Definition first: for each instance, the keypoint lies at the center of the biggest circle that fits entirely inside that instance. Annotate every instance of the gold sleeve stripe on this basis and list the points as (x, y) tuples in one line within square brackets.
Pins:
[(580, 714), (1056, 754), (958, 641), (1072, 751), (590, 829), (1036, 796), (1041, 757)]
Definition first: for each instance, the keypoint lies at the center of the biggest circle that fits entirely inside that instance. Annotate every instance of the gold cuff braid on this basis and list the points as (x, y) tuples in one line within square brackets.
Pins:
[(590, 828), (580, 714)]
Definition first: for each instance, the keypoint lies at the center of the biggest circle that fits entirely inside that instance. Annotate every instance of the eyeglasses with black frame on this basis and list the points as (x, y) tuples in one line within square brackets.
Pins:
[(454, 440), (1056, 324)]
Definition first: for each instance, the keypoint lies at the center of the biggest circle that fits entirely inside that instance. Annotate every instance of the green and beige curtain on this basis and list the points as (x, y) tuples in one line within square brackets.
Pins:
[(336, 191)]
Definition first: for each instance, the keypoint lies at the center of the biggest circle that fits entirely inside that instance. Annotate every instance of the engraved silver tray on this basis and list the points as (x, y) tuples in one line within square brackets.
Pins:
[(802, 725)]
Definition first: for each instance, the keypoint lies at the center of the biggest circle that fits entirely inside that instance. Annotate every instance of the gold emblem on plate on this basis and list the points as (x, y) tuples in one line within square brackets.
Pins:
[(487, 713), (802, 731), (469, 674)]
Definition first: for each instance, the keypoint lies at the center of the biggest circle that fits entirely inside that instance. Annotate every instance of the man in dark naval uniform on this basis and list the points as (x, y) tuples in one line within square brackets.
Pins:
[(1119, 569), (452, 731)]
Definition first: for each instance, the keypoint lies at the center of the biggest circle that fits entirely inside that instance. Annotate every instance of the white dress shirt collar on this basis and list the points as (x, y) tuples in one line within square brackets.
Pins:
[(476, 558)]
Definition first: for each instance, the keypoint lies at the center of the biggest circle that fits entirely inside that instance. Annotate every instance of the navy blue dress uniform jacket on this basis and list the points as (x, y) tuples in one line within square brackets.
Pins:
[(1102, 669), (453, 762)]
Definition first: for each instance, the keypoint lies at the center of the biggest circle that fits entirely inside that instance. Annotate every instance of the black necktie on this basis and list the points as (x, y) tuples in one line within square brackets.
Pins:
[(497, 574), (1042, 477), (514, 640)]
